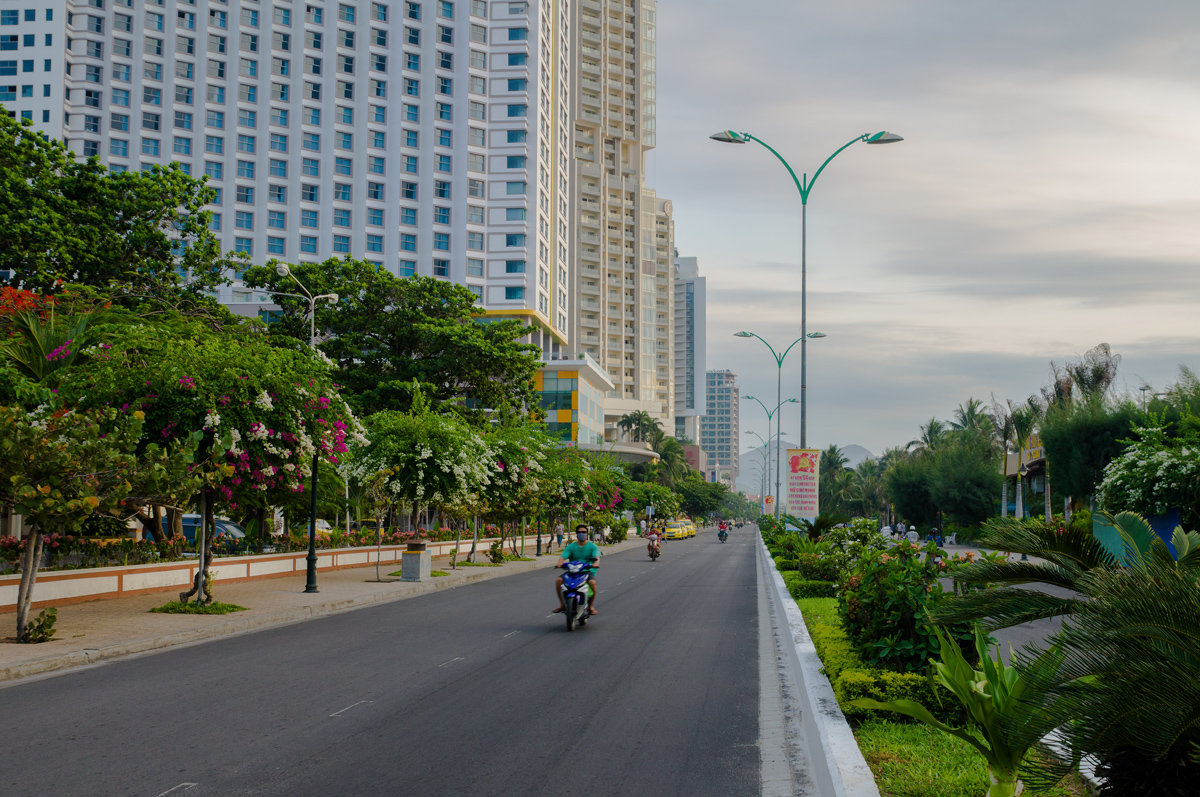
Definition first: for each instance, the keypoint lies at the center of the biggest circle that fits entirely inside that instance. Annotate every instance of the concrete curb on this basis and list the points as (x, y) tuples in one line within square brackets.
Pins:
[(239, 624), (838, 766)]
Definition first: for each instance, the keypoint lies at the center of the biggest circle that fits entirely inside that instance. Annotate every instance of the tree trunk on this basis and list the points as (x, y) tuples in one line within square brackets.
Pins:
[(151, 523), (1004, 496), (1020, 511), (1049, 512), (474, 540), (200, 587), (30, 558), (175, 521), (457, 538)]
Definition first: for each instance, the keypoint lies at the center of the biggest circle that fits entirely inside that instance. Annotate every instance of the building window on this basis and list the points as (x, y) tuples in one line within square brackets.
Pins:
[(441, 268), (374, 243), (341, 217), (276, 246), (308, 244), (514, 239), (341, 244), (441, 214), (408, 242), (513, 292), (475, 241), (514, 266), (407, 268), (441, 241), (408, 217)]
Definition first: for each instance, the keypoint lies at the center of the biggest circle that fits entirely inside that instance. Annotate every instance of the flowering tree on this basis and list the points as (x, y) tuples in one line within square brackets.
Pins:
[(429, 459), (1155, 475), (517, 453), (59, 466)]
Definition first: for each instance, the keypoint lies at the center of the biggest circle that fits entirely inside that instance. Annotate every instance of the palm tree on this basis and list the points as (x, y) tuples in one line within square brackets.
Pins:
[(672, 466), (1005, 432), (933, 434), (1024, 419), (639, 425), (869, 491), (971, 417)]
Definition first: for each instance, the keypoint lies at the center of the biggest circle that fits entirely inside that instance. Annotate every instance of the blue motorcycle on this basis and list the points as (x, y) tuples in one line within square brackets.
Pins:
[(577, 595)]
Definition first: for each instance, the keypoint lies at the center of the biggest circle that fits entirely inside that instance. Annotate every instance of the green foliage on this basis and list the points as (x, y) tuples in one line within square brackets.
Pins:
[(907, 482), (496, 552), (184, 607), (1154, 475), (41, 628), (1004, 704), (1080, 439), (816, 567), (67, 220), (963, 480), (800, 587), (885, 605), (390, 337), (700, 498)]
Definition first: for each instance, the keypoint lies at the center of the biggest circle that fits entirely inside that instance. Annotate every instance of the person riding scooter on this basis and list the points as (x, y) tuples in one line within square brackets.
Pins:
[(653, 538), (582, 550)]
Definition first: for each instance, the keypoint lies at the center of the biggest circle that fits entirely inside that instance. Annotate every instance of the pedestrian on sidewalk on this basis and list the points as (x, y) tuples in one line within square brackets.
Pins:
[(558, 530)]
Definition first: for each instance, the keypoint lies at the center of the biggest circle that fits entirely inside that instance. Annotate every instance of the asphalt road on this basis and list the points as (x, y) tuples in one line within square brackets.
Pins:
[(476, 690)]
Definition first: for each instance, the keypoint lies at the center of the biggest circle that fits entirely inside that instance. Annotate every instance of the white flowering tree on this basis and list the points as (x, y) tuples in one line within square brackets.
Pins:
[(518, 454), (1154, 475), (427, 460)]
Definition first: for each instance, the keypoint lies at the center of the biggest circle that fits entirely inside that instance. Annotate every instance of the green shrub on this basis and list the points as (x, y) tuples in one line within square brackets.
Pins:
[(885, 602), (885, 685), (800, 587), (816, 567), (41, 628), (783, 563), (834, 649)]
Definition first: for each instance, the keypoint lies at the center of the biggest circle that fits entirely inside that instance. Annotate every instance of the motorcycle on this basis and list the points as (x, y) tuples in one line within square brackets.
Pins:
[(655, 550), (577, 595), (722, 535)]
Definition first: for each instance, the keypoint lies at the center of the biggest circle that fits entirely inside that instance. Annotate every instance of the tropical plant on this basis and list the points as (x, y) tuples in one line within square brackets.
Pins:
[(1003, 703), (1154, 475), (1128, 689)]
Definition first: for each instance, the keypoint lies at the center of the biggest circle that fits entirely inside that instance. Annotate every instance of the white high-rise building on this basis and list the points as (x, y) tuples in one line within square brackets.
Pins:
[(624, 234), (719, 428), (691, 318), (430, 137)]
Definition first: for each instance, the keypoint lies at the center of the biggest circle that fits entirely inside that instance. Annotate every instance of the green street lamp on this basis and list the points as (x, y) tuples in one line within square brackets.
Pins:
[(310, 583), (772, 413), (765, 468), (804, 185)]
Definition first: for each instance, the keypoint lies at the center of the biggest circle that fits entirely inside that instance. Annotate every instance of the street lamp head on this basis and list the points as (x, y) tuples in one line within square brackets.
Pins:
[(333, 298), (815, 335), (282, 270), (883, 137), (791, 401), (751, 398), (743, 334), (730, 137)]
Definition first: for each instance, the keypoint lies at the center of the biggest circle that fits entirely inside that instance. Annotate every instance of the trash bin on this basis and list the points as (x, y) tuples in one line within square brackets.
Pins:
[(415, 563)]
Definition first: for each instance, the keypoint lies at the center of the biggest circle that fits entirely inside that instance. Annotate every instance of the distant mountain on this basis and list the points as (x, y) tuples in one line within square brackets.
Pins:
[(855, 455)]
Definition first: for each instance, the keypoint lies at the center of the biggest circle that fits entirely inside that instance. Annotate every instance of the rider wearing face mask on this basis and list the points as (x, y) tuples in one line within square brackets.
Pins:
[(579, 551)]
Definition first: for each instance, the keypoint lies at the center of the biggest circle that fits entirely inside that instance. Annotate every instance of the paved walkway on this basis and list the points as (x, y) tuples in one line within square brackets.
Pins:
[(107, 629)]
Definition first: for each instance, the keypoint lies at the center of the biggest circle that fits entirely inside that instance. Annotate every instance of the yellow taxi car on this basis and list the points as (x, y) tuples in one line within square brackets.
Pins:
[(691, 527), (675, 530)]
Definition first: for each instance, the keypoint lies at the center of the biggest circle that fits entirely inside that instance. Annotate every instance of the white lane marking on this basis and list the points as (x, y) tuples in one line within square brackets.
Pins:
[(510, 633), (347, 708), (180, 787), (456, 658)]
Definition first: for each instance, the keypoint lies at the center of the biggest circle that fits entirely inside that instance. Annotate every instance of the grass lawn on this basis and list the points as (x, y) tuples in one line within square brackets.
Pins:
[(909, 759), (176, 607), (913, 760)]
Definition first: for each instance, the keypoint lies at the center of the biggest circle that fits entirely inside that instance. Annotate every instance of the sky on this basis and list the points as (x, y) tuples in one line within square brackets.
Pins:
[(1046, 197)]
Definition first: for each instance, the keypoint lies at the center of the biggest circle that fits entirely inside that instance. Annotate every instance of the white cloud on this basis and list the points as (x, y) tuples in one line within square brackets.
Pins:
[(1043, 201)]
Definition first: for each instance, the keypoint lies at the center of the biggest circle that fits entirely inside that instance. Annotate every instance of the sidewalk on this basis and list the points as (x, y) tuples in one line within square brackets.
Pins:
[(109, 629)]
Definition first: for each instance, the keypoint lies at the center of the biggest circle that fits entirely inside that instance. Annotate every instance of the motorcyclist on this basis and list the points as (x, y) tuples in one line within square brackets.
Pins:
[(653, 536), (582, 550)]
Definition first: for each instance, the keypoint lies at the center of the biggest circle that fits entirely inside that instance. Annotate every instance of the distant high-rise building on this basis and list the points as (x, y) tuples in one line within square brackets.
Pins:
[(430, 137), (623, 239), (719, 432), (690, 348)]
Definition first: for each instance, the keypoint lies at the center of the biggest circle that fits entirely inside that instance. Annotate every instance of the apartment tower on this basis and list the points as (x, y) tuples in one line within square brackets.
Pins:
[(624, 233), (430, 137), (690, 347)]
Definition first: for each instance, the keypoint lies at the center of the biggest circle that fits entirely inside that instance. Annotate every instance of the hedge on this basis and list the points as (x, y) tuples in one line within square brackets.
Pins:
[(800, 587), (852, 679)]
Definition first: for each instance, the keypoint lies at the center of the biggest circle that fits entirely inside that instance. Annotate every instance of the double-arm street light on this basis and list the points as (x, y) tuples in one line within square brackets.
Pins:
[(765, 469), (282, 270), (778, 427), (804, 185)]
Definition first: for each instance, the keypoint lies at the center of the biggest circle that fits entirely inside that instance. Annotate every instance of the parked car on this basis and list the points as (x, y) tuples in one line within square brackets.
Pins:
[(675, 531), (228, 536)]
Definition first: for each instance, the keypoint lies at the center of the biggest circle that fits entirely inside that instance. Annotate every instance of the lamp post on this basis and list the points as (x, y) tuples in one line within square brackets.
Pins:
[(778, 423), (804, 185), (764, 469), (310, 584)]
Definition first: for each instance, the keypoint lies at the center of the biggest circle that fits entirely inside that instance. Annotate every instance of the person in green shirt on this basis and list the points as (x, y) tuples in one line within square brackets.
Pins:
[(579, 551)]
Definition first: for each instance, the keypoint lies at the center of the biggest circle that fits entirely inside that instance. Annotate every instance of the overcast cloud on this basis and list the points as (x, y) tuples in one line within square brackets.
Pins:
[(1046, 197)]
